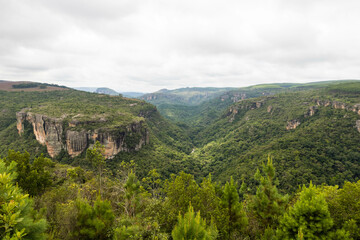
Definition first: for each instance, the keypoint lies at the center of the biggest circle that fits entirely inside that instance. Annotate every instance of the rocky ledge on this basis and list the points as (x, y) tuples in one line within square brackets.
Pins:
[(57, 134)]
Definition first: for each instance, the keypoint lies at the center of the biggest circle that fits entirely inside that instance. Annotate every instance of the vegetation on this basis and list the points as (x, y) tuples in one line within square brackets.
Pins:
[(293, 147), (17, 217), (182, 209), (192, 226)]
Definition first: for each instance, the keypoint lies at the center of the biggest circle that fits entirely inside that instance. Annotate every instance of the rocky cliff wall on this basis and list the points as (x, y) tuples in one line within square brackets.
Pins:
[(338, 105), (56, 136)]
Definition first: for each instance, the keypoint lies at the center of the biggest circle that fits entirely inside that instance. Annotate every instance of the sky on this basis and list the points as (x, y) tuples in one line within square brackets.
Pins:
[(147, 45)]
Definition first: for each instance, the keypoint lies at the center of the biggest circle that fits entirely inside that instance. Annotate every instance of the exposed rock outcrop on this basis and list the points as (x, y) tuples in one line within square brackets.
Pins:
[(47, 131), (311, 111), (56, 136), (292, 124), (339, 105), (76, 142), (246, 105), (358, 125)]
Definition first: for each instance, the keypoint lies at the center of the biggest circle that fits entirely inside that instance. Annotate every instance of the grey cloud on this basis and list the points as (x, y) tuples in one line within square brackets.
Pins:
[(132, 45)]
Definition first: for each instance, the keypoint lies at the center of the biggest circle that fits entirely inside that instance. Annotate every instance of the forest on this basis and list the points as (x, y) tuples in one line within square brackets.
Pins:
[(46, 200), (281, 163)]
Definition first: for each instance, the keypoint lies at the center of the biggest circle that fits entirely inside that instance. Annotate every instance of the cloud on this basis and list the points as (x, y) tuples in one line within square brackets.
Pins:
[(133, 45)]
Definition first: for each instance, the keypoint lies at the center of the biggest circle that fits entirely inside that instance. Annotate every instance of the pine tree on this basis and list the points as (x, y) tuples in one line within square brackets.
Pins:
[(94, 222), (96, 157), (309, 218), (268, 205), (17, 216), (132, 189), (235, 218), (193, 227)]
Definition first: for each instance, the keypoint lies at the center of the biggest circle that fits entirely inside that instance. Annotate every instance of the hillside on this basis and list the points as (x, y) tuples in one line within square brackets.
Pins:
[(66, 123), (232, 133), (108, 91), (313, 135), (183, 96), (172, 105), (147, 170), (29, 86)]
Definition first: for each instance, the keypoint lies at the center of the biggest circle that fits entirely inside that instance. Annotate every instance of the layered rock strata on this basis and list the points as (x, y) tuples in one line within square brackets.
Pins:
[(57, 136)]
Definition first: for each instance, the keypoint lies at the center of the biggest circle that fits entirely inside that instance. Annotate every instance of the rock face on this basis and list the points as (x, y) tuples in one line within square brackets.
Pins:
[(292, 124), (311, 111), (48, 131), (53, 133), (358, 125), (247, 105), (76, 142), (338, 105)]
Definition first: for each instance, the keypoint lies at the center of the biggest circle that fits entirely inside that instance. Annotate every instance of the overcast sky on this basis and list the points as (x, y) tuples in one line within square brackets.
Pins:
[(133, 45)]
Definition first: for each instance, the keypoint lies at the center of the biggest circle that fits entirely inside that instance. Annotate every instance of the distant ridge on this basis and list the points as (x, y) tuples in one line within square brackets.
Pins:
[(109, 91), (29, 86)]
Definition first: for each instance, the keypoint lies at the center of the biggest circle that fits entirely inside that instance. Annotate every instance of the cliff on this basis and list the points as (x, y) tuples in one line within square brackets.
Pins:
[(57, 134), (245, 106)]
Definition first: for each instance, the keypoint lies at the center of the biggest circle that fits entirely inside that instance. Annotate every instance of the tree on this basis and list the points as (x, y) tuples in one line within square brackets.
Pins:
[(235, 219), (193, 227), (153, 183), (95, 156), (344, 206), (94, 222), (33, 178), (208, 201), (180, 191), (17, 217), (309, 218), (132, 191), (268, 205)]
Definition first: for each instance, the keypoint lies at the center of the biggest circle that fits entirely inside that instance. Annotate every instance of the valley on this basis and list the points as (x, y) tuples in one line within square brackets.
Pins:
[(146, 159)]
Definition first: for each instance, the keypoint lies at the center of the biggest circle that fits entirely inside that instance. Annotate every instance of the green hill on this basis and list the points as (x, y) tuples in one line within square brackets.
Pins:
[(183, 96), (313, 135), (66, 123)]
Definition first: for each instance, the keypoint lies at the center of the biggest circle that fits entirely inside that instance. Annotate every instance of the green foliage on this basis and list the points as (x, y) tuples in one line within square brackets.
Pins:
[(95, 156), (127, 232), (235, 219), (153, 182), (310, 218), (33, 178), (77, 174), (94, 222), (180, 190), (268, 205), (26, 85), (344, 206), (323, 148), (132, 191), (193, 227), (229, 142), (18, 220)]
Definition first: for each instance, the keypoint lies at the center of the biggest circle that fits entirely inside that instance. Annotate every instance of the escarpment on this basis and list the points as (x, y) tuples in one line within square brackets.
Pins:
[(72, 136), (338, 105), (245, 106)]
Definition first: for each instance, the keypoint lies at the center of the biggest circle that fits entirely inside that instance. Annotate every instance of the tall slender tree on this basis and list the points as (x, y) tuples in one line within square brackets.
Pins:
[(268, 205), (235, 219), (96, 156)]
